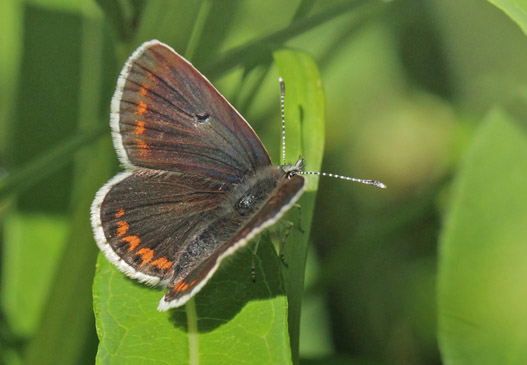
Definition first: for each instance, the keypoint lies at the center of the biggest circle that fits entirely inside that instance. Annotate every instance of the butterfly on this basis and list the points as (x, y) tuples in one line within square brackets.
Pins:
[(198, 183)]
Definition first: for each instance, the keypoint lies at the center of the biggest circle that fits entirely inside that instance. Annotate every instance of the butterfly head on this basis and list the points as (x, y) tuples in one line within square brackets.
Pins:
[(291, 170)]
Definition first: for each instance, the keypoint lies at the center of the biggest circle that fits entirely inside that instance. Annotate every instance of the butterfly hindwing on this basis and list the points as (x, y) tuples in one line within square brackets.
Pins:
[(167, 116), (144, 219), (286, 194)]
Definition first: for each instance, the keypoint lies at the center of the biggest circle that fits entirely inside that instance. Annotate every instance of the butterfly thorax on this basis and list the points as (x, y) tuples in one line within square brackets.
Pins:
[(247, 197)]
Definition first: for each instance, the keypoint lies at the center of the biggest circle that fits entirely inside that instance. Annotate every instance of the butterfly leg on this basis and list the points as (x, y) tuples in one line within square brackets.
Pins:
[(281, 247), (253, 265), (299, 207)]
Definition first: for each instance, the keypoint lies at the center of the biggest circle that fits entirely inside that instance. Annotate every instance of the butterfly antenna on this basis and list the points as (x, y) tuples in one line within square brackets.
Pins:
[(362, 181), (282, 109), (297, 169)]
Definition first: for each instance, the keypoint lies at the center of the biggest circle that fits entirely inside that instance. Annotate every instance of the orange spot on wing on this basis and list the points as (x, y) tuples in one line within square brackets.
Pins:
[(162, 263), (122, 228), (119, 213), (180, 286), (143, 91), (134, 241), (143, 147), (141, 108), (151, 77), (139, 128), (146, 254)]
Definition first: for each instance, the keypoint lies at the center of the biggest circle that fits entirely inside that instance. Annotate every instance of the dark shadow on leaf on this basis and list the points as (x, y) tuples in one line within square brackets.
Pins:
[(232, 288)]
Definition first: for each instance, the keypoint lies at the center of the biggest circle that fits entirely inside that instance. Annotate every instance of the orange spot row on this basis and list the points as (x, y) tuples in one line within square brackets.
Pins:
[(143, 91), (151, 77), (141, 108), (140, 127), (146, 254), (134, 241), (119, 213), (143, 147), (122, 228), (181, 286), (162, 263)]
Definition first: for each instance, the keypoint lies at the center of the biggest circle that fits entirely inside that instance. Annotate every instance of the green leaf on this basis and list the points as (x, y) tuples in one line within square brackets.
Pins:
[(515, 9), (482, 292), (237, 321), (304, 115)]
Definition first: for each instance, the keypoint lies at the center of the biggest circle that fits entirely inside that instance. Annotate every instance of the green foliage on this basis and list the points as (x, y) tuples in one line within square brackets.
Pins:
[(482, 292), (231, 312), (516, 9)]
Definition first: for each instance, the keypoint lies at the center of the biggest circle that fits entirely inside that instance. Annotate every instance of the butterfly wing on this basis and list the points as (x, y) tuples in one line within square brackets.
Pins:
[(283, 197), (168, 116), (143, 220), (181, 207)]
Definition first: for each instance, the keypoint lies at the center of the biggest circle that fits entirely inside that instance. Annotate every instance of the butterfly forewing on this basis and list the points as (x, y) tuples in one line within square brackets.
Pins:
[(168, 116)]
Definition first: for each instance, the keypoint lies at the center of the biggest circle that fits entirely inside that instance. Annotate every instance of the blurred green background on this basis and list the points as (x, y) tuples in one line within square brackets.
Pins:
[(428, 96)]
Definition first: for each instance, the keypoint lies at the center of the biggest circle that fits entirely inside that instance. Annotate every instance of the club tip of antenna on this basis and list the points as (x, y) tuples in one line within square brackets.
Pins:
[(280, 79), (379, 184), (373, 182)]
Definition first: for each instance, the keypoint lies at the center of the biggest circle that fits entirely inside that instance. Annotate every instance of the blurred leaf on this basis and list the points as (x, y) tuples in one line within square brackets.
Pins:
[(119, 15), (66, 334), (304, 8), (487, 63), (58, 5), (482, 295), (23, 267), (304, 115), (46, 164), (315, 329), (169, 21), (47, 100), (252, 51), (10, 52), (515, 9), (67, 322)]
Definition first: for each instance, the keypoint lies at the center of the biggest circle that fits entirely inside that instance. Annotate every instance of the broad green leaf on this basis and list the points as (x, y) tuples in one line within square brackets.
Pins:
[(304, 115), (515, 9), (482, 292), (232, 320)]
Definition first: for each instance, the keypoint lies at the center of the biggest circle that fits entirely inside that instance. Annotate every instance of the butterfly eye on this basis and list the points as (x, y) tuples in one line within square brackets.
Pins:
[(202, 118), (246, 203)]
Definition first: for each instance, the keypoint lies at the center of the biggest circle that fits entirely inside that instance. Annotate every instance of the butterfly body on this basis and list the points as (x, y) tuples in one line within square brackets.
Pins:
[(198, 183)]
